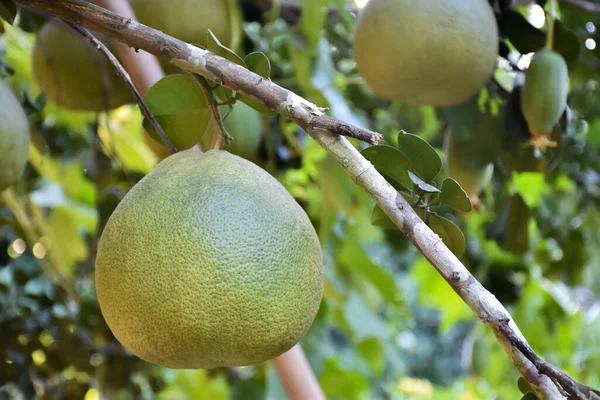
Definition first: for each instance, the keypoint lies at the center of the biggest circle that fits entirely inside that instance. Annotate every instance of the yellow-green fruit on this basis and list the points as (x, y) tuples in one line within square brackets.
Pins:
[(14, 137), (427, 52), (245, 125), (73, 73), (208, 262), (544, 94), (462, 166), (189, 20)]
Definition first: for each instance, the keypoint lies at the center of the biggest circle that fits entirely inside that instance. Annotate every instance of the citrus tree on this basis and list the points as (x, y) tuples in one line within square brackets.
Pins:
[(190, 189)]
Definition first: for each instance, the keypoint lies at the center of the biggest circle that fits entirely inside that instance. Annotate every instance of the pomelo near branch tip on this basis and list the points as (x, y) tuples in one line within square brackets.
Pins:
[(208, 262), (426, 52), (73, 73), (14, 137)]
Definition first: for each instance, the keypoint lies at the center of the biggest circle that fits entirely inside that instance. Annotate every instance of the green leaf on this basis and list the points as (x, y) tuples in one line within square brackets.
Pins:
[(259, 64), (8, 10), (379, 218), (450, 234), (421, 184), (523, 385), (213, 44), (454, 196), (390, 162), (425, 161), (373, 351), (532, 186), (314, 16), (181, 108)]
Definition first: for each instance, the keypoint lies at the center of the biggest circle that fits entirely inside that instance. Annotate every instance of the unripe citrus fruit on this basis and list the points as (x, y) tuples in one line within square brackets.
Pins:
[(73, 73), (427, 52), (208, 262), (190, 20), (544, 94), (14, 137)]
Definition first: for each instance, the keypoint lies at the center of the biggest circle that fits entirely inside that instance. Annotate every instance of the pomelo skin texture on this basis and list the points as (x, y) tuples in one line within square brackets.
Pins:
[(14, 137), (208, 262), (73, 73), (426, 52), (544, 94)]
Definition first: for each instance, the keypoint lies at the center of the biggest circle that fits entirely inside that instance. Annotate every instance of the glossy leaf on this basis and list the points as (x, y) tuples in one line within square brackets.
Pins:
[(421, 184), (426, 162), (450, 234), (213, 44), (258, 63), (454, 196), (8, 10), (181, 108), (390, 162), (523, 385)]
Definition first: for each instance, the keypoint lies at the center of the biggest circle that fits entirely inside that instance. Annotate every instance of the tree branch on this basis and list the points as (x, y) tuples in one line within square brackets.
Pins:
[(325, 131), (125, 76)]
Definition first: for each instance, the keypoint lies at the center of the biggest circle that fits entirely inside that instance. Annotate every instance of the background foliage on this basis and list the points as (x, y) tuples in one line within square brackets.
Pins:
[(389, 327)]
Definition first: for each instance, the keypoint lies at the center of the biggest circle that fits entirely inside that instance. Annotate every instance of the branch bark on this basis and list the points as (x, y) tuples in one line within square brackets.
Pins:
[(325, 131)]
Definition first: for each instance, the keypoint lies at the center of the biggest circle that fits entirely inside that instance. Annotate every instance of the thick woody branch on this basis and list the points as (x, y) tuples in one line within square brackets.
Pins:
[(325, 131)]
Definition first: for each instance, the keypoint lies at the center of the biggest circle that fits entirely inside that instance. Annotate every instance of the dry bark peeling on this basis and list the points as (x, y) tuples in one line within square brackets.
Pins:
[(548, 381)]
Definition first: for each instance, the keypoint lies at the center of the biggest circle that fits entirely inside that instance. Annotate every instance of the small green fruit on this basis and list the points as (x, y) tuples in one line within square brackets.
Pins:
[(427, 52), (73, 73), (544, 94), (14, 137)]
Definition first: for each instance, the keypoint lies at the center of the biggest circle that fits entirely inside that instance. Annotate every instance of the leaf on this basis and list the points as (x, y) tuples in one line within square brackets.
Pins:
[(450, 234), (213, 44), (525, 37), (424, 186), (8, 11), (258, 63), (314, 16), (390, 162), (426, 162), (363, 322), (532, 187), (523, 385), (181, 108), (454, 196)]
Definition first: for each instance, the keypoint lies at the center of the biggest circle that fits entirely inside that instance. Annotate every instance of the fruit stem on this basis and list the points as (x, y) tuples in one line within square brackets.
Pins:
[(551, 15), (221, 133)]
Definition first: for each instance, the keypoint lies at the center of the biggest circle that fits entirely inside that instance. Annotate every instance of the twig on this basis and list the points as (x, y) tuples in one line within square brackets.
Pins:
[(125, 76), (220, 131), (325, 131), (328, 124)]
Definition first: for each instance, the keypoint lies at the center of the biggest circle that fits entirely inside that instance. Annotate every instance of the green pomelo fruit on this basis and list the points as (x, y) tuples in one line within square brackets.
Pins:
[(14, 137), (209, 262), (544, 94), (426, 52), (73, 73), (245, 125), (464, 165), (190, 20)]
